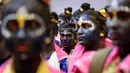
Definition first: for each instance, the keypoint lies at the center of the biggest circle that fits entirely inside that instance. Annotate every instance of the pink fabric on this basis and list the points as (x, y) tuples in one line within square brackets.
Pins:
[(81, 60), (4, 65), (125, 64), (52, 70), (112, 56), (77, 53), (58, 35), (61, 54), (83, 64), (108, 42)]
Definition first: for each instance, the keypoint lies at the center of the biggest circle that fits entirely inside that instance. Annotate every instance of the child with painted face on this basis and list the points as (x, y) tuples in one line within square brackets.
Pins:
[(88, 33), (117, 58), (84, 7), (63, 18), (118, 25), (90, 36), (67, 38), (25, 26)]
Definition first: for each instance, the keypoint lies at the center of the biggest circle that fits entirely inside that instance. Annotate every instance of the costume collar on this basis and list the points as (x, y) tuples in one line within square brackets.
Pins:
[(43, 67)]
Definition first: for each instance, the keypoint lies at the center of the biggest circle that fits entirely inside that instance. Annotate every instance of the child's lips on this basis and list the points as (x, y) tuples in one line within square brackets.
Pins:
[(22, 48)]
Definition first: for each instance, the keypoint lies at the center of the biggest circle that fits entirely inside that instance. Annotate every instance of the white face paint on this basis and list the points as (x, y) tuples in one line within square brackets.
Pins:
[(86, 22), (23, 13), (87, 30)]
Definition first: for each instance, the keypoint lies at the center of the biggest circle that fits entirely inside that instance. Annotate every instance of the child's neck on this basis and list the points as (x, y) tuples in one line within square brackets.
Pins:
[(27, 66)]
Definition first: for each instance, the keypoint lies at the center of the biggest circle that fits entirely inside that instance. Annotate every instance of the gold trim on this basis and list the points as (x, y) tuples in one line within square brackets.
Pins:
[(104, 13)]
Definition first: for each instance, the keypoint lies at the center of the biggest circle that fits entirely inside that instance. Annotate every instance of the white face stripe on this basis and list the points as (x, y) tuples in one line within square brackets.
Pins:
[(65, 32), (4, 31), (86, 21), (124, 8), (27, 16), (22, 11)]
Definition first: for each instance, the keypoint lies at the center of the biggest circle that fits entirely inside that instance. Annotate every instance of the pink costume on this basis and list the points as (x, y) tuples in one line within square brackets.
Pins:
[(57, 56), (108, 43), (83, 64), (61, 54), (77, 53), (82, 59), (125, 64)]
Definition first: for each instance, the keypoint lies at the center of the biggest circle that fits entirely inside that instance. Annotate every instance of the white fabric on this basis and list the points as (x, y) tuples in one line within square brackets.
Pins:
[(53, 61)]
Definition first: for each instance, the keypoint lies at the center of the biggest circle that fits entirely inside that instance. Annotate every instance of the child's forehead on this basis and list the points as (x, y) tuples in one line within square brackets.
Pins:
[(66, 32), (30, 5), (66, 29)]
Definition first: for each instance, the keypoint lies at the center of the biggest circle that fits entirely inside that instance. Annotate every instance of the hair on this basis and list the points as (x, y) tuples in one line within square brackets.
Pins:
[(67, 25), (85, 6), (69, 9), (65, 16), (54, 15)]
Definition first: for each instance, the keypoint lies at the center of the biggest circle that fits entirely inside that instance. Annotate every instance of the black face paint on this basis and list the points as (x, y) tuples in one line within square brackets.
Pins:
[(62, 21), (67, 37), (118, 25), (119, 28), (88, 30), (24, 28)]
